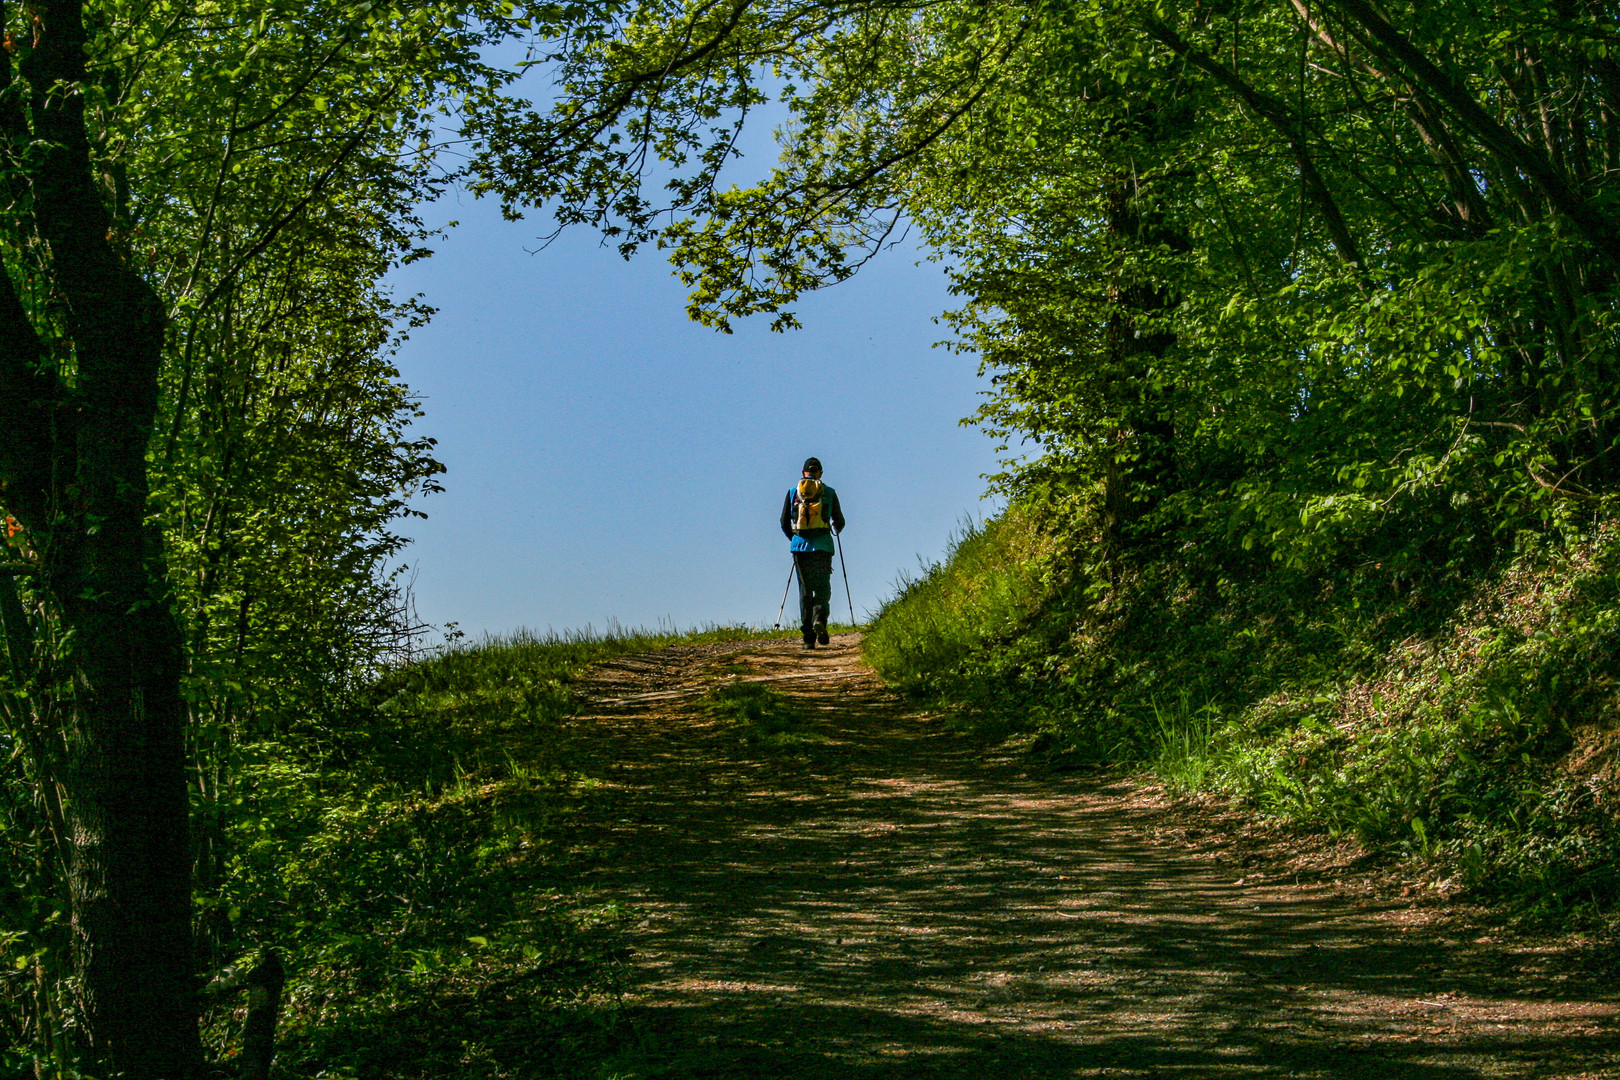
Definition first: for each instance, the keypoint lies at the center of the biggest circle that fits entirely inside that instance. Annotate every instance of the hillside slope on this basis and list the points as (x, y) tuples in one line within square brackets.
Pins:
[(1463, 715)]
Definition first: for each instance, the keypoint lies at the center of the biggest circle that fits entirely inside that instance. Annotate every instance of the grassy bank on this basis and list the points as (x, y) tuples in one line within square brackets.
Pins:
[(412, 861), (1459, 710)]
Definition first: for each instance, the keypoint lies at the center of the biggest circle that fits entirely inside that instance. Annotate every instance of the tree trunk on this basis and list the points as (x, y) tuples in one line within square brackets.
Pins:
[(74, 475), (125, 778)]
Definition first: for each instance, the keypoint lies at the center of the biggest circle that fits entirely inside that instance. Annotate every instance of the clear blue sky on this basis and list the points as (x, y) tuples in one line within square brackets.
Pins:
[(609, 460)]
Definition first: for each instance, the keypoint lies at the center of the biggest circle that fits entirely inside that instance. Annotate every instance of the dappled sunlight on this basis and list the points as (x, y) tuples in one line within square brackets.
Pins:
[(902, 900)]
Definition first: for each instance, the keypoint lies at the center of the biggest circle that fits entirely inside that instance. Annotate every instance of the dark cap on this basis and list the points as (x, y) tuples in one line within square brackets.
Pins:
[(811, 465)]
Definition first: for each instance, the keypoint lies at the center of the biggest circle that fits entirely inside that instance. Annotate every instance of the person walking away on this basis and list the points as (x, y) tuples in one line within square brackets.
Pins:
[(810, 516)]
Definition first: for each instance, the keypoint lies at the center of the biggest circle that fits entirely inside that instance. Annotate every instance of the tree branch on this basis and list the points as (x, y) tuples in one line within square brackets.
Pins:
[(1286, 124), (1534, 165)]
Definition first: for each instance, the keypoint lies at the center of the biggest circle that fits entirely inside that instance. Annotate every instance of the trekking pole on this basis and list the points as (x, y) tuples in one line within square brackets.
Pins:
[(845, 571), (785, 589)]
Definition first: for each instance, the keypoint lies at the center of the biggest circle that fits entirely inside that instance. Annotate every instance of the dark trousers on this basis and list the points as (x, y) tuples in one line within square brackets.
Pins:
[(815, 588)]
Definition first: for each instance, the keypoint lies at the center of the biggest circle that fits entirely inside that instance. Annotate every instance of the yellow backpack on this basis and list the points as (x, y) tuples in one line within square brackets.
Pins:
[(808, 513)]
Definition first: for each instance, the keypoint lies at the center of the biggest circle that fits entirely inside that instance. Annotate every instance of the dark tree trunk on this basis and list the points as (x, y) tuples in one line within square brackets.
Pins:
[(124, 777), (74, 474)]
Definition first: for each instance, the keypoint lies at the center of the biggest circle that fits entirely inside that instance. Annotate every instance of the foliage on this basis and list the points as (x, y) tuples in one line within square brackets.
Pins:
[(1250, 267), (1262, 270), (253, 172)]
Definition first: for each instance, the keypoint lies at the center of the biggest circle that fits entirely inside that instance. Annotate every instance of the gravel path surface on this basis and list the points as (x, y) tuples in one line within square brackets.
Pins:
[(878, 897)]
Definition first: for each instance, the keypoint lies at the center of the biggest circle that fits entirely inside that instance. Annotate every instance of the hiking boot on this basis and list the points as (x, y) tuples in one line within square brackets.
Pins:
[(809, 640), (821, 633)]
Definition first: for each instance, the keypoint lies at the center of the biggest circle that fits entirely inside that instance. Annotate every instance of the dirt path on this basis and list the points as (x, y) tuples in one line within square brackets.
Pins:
[(886, 899)]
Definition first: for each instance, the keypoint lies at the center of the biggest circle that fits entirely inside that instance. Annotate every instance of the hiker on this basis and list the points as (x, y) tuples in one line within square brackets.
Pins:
[(807, 512)]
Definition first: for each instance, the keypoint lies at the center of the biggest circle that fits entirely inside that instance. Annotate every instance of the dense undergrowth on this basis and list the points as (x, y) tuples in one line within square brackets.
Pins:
[(412, 861), (1454, 702)]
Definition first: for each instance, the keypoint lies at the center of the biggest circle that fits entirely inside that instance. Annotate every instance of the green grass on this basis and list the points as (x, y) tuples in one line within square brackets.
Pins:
[(1182, 754), (989, 583), (760, 714), (414, 861)]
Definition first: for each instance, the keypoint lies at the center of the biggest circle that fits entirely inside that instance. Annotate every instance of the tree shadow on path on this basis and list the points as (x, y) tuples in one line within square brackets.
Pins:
[(885, 899)]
